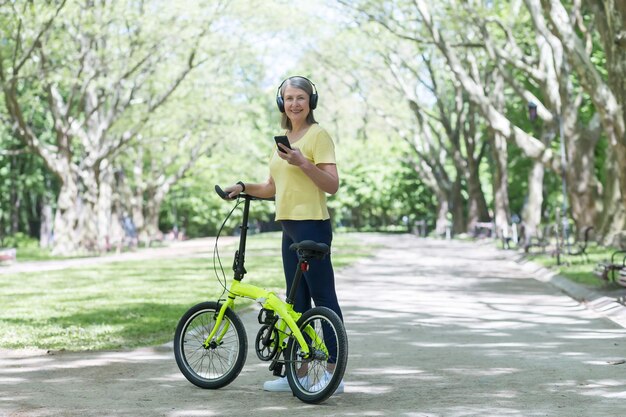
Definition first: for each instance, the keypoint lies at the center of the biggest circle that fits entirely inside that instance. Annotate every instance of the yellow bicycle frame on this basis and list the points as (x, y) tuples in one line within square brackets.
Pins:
[(288, 317), (269, 301)]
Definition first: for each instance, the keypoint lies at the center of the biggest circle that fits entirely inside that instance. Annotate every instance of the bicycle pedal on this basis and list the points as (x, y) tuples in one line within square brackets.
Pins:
[(277, 369)]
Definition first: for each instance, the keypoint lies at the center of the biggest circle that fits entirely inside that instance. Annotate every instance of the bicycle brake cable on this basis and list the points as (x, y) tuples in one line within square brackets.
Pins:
[(216, 254)]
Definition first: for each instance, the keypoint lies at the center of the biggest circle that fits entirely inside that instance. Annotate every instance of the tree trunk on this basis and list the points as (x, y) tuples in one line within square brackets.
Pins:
[(458, 215), (610, 19), (45, 229), (88, 205), (152, 208), (105, 207), (16, 202), (617, 80), (620, 151), (477, 210), (500, 160), (533, 208), (15, 198), (442, 223), (500, 184), (582, 184), (613, 214), (66, 217)]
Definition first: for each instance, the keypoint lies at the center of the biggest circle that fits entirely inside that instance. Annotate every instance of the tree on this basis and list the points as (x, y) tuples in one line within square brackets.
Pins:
[(609, 97), (544, 70), (103, 70)]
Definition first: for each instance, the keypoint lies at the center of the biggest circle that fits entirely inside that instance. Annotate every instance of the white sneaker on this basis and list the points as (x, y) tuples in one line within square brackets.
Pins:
[(277, 385), (282, 385), (323, 381)]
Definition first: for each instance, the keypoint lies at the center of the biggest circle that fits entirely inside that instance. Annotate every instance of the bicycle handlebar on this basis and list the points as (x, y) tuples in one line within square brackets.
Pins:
[(224, 195), (221, 193)]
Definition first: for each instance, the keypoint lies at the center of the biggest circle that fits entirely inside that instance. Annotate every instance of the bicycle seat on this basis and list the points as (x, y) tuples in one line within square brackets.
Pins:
[(310, 249)]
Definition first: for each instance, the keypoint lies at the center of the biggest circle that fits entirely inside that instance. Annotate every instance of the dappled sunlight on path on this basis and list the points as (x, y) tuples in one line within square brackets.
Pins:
[(436, 329), (469, 325)]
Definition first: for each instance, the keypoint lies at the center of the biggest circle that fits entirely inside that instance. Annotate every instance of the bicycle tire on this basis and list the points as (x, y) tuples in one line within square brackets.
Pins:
[(218, 365), (328, 326)]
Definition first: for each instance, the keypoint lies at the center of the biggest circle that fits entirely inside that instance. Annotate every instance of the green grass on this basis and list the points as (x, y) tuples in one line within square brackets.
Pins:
[(132, 303), (578, 268), (35, 253)]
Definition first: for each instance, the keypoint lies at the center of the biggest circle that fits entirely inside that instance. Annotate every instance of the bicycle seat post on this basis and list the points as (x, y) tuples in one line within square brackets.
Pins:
[(240, 255), (303, 266)]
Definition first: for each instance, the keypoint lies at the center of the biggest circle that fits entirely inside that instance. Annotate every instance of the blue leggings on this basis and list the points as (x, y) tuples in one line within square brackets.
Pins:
[(319, 282)]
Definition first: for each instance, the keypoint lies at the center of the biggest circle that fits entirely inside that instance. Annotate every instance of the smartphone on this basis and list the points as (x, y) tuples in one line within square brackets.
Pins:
[(284, 140)]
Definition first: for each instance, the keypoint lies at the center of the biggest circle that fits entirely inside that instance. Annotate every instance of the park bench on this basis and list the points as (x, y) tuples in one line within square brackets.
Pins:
[(579, 248), (7, 256), (606, 270), (541, 241), (483, 229)]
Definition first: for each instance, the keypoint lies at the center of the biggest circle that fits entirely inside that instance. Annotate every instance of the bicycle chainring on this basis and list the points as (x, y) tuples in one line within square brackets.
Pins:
[(266, 352)]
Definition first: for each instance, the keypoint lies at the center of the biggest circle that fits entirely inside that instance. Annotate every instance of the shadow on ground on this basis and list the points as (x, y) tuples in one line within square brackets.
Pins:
[(436, 329)]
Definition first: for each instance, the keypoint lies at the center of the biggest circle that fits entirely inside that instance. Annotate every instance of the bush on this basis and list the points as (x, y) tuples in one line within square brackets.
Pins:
[(19, 240)]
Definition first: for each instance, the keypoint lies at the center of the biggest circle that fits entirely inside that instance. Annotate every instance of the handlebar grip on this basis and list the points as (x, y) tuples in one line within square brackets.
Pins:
[(223, 195)]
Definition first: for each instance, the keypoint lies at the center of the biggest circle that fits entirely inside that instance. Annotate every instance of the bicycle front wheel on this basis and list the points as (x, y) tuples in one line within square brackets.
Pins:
[(316, 378), (218, 364)]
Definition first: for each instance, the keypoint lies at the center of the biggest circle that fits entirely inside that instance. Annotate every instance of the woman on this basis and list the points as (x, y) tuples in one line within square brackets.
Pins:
[(299, 179)]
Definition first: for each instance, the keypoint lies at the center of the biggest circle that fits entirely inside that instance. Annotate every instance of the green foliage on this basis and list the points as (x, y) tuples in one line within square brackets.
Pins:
[(226, 105), (380, 191), (20, 240), (24, 186)]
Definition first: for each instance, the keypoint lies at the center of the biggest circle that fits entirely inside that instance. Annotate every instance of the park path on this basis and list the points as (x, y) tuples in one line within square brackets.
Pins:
[(436, 329)]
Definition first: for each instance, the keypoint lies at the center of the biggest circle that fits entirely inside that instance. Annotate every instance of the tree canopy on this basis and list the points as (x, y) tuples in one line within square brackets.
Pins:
[(454, 114)]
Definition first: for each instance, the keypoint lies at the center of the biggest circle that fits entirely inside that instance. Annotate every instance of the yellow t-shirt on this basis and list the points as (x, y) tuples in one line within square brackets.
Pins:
[(297, 196)]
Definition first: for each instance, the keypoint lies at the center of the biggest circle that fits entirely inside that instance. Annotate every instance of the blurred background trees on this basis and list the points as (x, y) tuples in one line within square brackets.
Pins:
[(128, 112)]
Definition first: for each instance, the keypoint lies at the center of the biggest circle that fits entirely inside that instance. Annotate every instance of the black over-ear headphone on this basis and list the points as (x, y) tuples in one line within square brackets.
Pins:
[(312, 99)]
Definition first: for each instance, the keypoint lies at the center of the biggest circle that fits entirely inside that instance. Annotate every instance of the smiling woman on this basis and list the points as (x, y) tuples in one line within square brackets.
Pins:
[(296, 99), (300, 177)]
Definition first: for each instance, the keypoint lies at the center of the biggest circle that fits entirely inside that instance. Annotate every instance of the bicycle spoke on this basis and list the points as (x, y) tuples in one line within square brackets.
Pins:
[(315, 378), (219, 363)]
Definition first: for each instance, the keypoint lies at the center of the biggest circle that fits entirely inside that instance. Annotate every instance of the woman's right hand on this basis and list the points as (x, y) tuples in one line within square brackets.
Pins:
[(259, 190), (233, 190)]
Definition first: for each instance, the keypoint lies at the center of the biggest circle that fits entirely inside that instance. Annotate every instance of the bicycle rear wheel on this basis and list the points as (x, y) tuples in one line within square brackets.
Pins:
[(219, 364), (316, 378)]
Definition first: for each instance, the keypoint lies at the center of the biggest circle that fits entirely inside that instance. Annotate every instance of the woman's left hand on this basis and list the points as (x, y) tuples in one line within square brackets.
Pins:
[(325, 176), (292, 156)]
